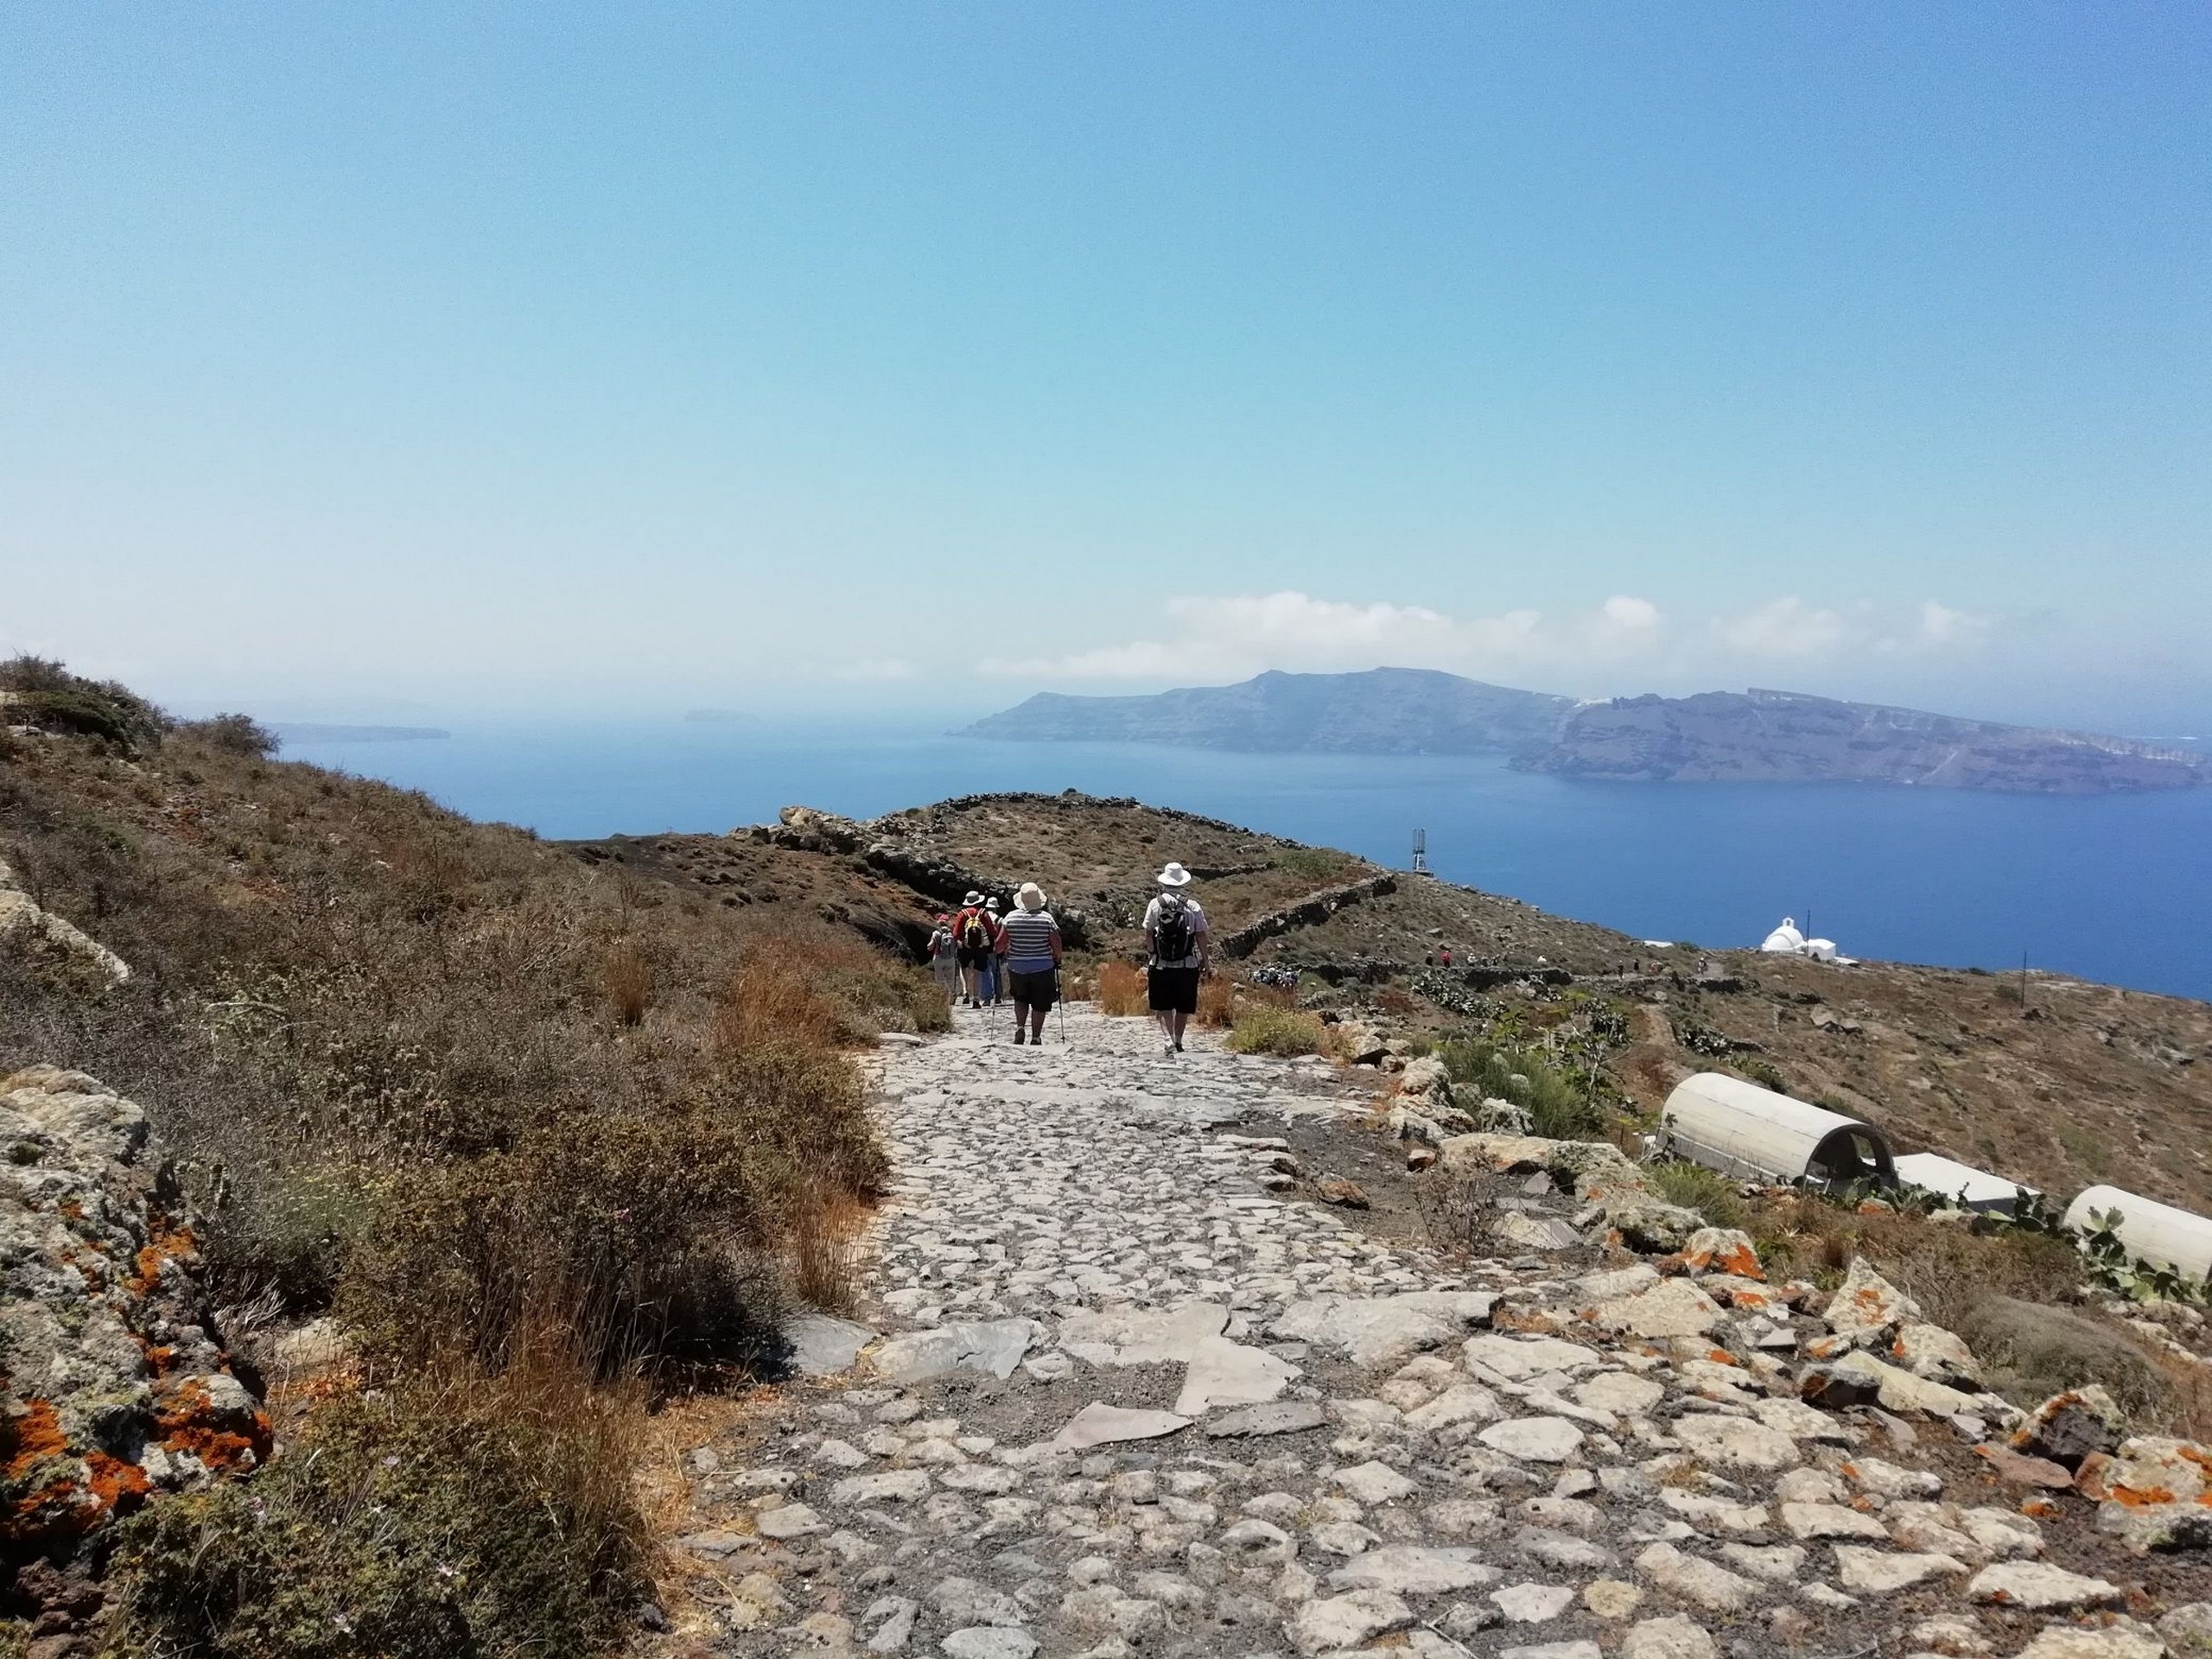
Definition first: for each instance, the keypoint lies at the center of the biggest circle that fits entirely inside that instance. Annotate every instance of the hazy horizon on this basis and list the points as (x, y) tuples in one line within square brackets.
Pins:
[(563, 363)]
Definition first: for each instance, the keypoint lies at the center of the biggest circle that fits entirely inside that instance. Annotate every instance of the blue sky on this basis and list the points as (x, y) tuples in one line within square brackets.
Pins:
[(820, 355)]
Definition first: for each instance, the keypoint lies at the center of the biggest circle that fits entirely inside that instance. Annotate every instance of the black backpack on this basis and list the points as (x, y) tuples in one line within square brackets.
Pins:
[(1171, 936)]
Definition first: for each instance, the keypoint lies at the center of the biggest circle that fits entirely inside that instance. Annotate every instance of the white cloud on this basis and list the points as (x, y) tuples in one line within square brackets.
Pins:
[(1231, 637), (1633, 614), (1215, 639), (1784, 630), (1941, 626)]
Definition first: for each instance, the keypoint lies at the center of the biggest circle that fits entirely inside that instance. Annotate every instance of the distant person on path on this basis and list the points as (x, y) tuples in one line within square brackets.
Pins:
[(995, 968), (1033, 961), (1175, 936), (944, 959), (972, 930)]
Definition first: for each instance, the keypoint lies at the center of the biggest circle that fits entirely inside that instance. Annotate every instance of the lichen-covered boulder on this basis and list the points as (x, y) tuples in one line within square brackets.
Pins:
[(112, 1385), (2070, 1426), (2154, 1493)]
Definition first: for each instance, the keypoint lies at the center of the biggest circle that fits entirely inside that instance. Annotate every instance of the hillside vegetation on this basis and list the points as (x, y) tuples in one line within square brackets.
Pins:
[(546, 1138)]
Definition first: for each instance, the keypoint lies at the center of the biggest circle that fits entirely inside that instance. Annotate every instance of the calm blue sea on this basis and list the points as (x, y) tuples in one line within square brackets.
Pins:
[(2115, 888)]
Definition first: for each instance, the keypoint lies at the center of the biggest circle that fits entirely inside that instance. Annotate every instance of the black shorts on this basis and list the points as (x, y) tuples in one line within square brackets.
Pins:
[(1039, 989), (973, 959), (1171, 990)]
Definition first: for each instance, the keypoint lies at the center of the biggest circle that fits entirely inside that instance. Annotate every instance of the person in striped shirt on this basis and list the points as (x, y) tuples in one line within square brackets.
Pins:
[(1033, 963)]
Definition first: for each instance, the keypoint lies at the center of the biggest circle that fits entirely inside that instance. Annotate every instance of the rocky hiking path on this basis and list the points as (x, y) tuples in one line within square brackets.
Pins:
[(1114, 1396)]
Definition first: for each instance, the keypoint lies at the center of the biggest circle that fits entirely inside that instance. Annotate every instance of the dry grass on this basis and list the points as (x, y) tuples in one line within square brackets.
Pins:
[(629, 981), (1267, 1028), (1121, 989), (461, 1511), (1218, 997), (1398, 1004)]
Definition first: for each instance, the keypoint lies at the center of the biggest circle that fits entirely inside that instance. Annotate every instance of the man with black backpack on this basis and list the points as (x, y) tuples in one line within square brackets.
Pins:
[(1175, 935), (974, 937)]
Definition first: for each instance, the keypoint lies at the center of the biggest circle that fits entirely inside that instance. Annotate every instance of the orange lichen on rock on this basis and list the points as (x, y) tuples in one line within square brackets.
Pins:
[(1529, 1321), (30, 1439), (46, 1498), (120, 1486), (165, 1246), (2137, 1498), (190, 1421)]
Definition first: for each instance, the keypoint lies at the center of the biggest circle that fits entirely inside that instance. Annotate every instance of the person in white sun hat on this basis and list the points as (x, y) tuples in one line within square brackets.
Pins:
[(1177, 949)]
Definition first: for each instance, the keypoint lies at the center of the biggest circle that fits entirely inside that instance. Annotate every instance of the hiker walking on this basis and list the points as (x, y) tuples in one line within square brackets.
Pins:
[(1033, 961), (945, 958), (1175, 936), (973, 944), (995, 968)]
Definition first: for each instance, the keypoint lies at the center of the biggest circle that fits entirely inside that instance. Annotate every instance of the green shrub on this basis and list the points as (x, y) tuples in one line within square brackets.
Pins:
[(1562, 1104), (289, 1235), (1265, 1028), (45, 694), (487, 1517), (1313, 863), (1763, 1073), (1695, 1187)]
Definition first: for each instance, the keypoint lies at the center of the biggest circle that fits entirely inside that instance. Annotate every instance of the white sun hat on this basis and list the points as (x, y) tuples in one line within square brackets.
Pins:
[(973, 897), (1174, 875), (1031, 897)]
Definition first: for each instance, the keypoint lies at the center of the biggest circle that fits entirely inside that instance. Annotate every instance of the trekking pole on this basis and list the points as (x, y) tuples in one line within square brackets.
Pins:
[(1060, 1003)]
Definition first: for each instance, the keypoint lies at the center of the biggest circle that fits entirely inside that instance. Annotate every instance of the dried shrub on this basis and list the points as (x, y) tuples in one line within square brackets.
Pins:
[(1218, 997), (628, 979), (485, 1513), (1121, 989), (1459, 1213), (232, 735), (1399, 1004), (825, 992)]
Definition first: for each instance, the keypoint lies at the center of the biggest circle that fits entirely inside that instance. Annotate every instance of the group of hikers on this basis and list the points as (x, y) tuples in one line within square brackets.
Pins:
[(983, 958)]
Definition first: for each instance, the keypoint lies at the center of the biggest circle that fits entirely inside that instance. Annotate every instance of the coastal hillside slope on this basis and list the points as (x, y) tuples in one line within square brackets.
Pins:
[(2053, 1080), (1755, 736)]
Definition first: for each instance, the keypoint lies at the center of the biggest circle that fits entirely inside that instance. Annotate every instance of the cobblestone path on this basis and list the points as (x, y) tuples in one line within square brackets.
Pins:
[(1114, 1398)]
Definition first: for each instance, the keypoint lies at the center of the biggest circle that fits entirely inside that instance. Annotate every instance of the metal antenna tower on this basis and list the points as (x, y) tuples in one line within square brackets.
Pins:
[(1420, 852)]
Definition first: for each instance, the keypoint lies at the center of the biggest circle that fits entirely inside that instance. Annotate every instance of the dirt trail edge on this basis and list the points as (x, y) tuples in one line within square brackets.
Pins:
[(1114, 1397)]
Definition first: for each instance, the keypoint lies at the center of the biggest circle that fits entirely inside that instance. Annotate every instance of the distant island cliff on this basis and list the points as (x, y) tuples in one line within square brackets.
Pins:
[(1754, 736)]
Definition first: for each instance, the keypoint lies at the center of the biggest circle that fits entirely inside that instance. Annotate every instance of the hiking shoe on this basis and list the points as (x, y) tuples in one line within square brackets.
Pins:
[(1019, 1039), (1178, 1046), (1168, 1049)]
